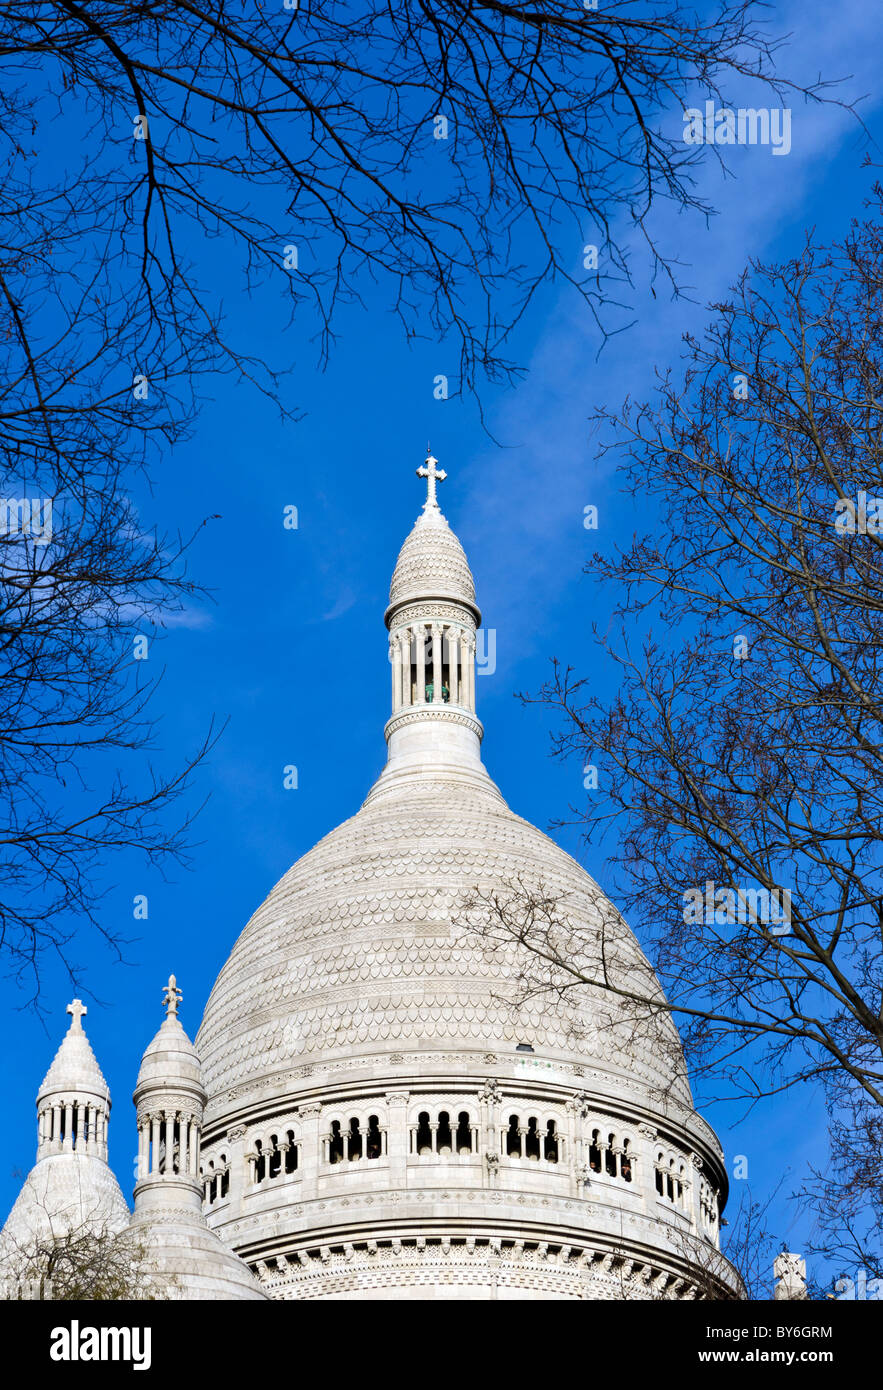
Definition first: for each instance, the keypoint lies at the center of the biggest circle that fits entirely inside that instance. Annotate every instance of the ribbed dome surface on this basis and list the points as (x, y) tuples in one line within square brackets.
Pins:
[(75, 1068), (65, 1192), (432, 563), (357, 949), (197, 1264), (170, 1058)]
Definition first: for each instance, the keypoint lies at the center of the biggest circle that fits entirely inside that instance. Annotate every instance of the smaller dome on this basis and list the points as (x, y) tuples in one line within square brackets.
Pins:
[(198, 1266), (74, 1068), (170, 1059), (64, 1193), (432, 564)]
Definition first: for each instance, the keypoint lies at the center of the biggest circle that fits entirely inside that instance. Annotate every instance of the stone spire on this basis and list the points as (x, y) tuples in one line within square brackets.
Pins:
[(73, 1103), (169, 1100), (70, 1188), (432, 620), (170, 1103)]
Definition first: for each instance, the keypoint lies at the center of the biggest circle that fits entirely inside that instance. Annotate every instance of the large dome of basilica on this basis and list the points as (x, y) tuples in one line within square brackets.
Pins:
[(398, 1103)]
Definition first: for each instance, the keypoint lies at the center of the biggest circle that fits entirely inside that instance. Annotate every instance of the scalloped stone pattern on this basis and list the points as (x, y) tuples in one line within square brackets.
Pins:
[(359, 946), (432, 562)]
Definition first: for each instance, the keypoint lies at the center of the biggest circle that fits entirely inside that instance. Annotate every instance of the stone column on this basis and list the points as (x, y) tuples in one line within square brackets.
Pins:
[(469, 672), (154, 1143), (647, 1167), (142, 1150), (235, 1163), (396, 665), (311, 1149), (489, 1099), (436, 664), (405, 639), (420, 632), (193, 1146), (397, 1143), (453, 637)]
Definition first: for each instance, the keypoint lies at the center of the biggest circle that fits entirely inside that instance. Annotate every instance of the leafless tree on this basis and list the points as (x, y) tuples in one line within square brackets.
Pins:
[(740, 756), (157, 155), (82, 1260)]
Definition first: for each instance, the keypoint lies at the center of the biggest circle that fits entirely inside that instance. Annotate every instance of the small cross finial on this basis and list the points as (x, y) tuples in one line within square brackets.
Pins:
[(432, 476), (77, 1008), (172, 997)]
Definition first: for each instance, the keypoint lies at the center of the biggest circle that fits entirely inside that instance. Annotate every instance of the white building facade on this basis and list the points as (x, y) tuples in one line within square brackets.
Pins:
[(374, 1106), (382, 1119)]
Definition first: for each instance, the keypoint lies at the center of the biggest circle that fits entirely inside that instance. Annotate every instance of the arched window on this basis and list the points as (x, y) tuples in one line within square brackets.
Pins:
[(290, 1153), (595, 1152), (423, 1139), (335, 1144), (513, 1138), (610, 1156), (550, 1143), (354, 1147), (464, 1134), (444, 1139), (626, 1161), (260, 1167), (532, 1139), (225, 1176), (374, 1139), (275, 1157)]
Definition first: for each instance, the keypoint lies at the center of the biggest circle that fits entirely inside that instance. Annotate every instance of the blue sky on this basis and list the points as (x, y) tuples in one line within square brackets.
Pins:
[(292, 650)]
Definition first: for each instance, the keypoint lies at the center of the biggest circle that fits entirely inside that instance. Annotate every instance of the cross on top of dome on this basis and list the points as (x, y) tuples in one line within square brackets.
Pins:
[(77, 1008), (432, 475)]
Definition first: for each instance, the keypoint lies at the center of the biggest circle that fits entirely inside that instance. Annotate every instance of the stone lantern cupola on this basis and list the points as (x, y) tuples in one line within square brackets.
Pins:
[(73, 1103), (186, 1256), (169, 1100), (432, 620), (70, 1189)]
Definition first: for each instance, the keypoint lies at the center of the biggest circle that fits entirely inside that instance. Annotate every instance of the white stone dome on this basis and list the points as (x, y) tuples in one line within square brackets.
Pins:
[(64, 1193), (432, 564), (74, 1069), (358, 948), (170, 1059), (391, 1110)]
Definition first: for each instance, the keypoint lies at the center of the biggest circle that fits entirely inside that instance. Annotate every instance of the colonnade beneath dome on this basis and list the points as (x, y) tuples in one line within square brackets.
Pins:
[(433, 663), (168, 1144), (490, 1140), (67, 1124)]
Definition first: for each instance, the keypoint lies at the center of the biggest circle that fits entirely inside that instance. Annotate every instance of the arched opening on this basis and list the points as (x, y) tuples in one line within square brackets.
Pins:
[(335, 1144), (225, 1176), (513, 1138), (290, 1153), (532, 1139), (423, 1139), (260, 1167), (373, 1139), (464, 1134), (610, 1156), (626, 1167), (550, 1143), (595, 1152), (354, 1148), (444, 1139)]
